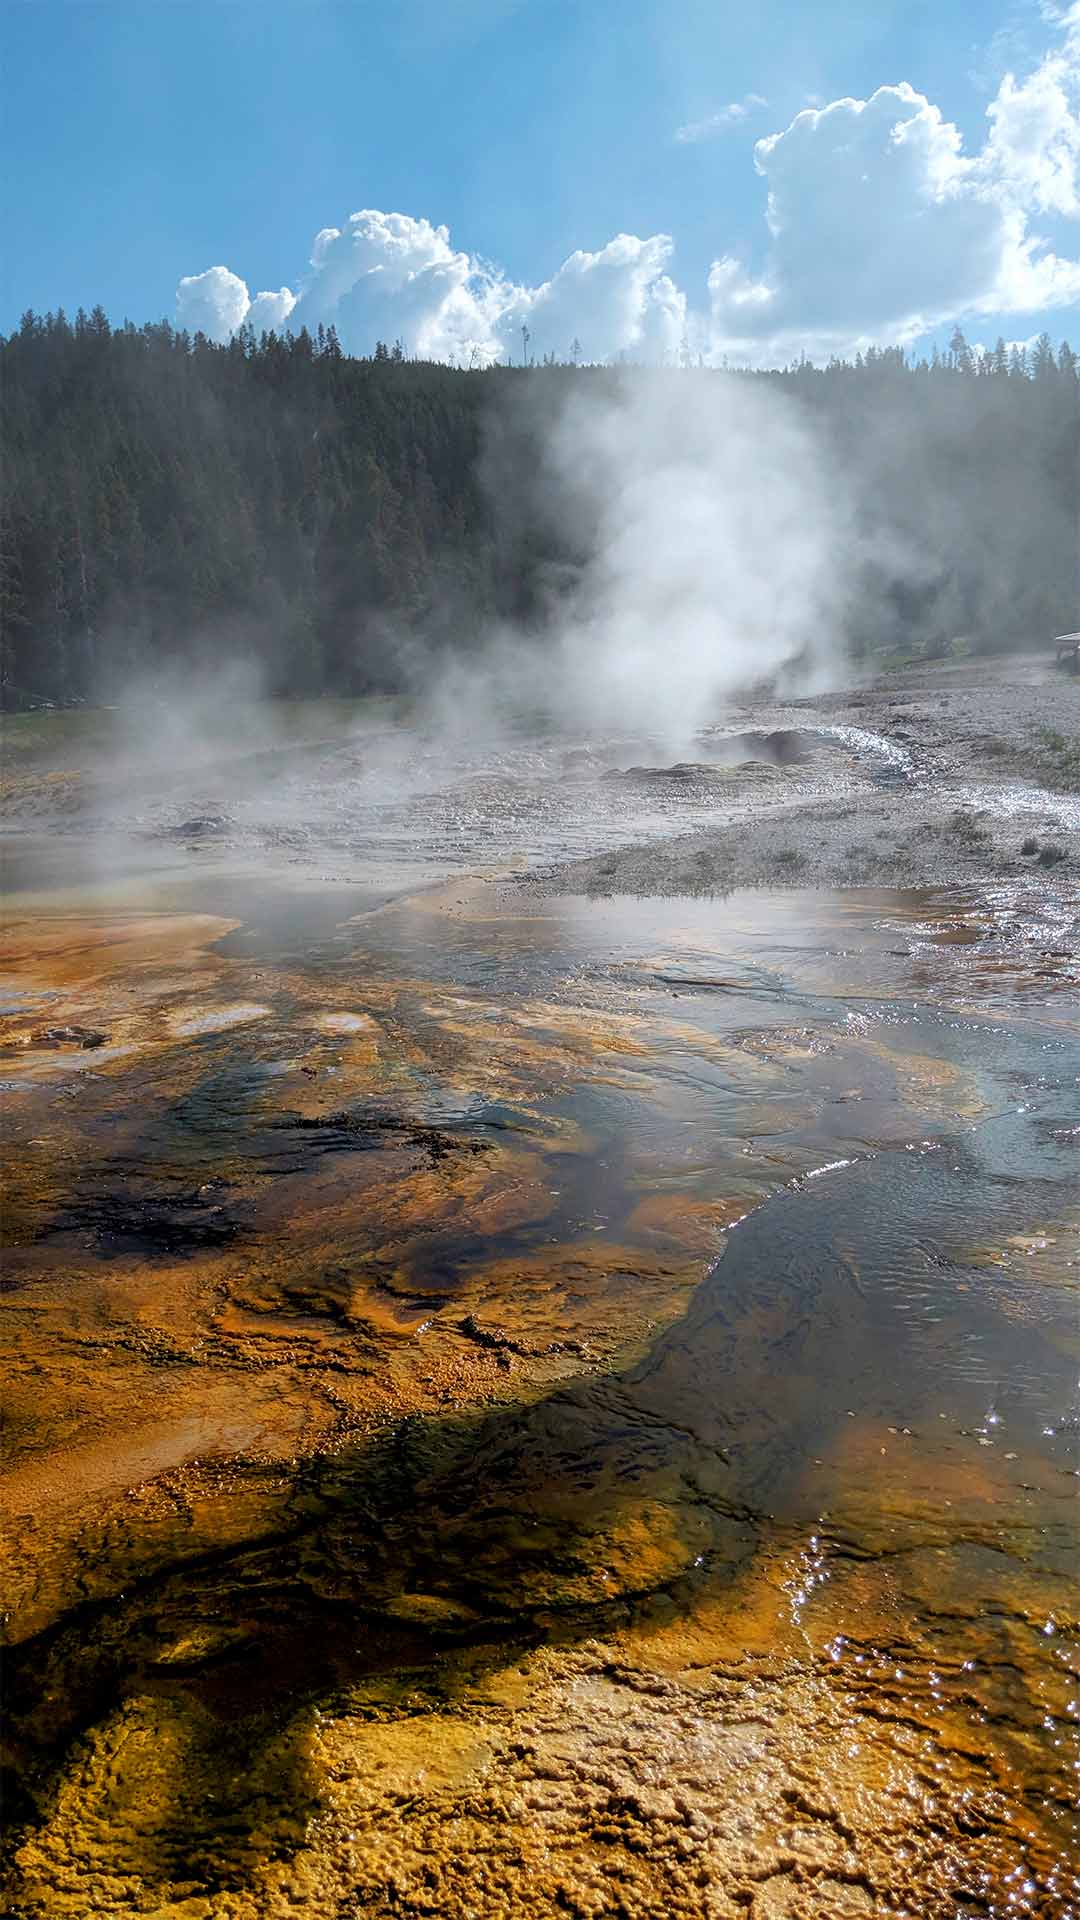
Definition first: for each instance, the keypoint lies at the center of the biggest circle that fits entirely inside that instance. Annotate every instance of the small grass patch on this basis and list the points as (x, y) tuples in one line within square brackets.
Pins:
[(964, 825), (1059, 759)]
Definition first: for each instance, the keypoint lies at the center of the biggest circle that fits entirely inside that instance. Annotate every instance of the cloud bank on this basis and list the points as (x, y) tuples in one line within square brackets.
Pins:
[(879, 228)]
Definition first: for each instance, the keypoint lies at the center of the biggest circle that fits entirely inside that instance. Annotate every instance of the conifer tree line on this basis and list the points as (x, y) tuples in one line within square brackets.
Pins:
[(164, 498)]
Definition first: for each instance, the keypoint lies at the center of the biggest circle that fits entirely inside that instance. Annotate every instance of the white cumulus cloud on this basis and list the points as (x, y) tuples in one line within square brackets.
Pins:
[(389, 276), (619, 300), (883, 227), (217, 302), (1034, 145), (269, 311), (214, 303)]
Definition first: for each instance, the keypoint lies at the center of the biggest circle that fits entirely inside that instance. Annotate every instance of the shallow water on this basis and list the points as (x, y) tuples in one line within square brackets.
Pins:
[(483, 1366)]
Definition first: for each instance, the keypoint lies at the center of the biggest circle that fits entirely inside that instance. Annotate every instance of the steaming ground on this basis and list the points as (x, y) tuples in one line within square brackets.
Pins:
[(934, 777), (968, 774)]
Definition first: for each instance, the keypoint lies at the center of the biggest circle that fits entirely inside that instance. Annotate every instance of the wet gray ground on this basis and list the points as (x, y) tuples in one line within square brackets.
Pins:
[(932, 777), (952, 775)]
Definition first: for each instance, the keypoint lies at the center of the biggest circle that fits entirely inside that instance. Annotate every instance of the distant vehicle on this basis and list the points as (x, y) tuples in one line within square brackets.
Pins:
[(1068, 651)]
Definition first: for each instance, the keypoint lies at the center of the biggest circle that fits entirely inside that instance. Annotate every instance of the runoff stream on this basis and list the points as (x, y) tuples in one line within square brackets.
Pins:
[(528, 1404)]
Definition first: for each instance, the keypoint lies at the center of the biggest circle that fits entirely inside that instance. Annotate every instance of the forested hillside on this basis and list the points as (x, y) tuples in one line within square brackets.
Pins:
[(165, 498)]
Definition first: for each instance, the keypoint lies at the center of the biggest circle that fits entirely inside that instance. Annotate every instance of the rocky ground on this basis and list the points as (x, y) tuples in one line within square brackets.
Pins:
[(982, 781)]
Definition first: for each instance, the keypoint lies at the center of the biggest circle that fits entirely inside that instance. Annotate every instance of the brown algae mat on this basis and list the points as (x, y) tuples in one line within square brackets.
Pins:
[(588, 1449)]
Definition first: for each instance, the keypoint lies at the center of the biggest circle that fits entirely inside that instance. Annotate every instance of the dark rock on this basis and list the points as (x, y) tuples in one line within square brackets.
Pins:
[(365, 1131), (204, 826), (72, 1036), (158, 1223)]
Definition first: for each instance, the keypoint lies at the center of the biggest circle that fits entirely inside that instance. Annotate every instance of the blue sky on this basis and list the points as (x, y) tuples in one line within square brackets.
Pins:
[(151, 140)]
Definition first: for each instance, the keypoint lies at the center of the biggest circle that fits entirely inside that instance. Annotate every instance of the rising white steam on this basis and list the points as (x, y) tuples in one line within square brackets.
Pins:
[(713, 537)]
